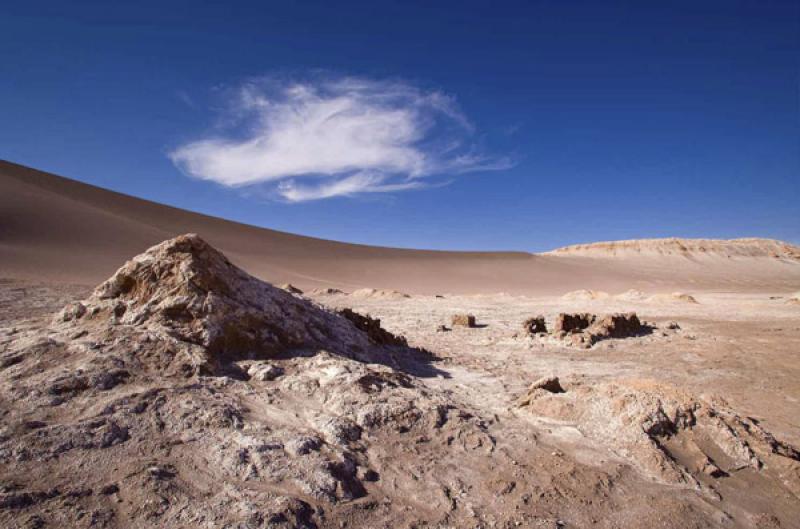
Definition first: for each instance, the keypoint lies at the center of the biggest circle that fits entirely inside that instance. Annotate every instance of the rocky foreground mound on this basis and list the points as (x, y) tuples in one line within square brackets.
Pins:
[(206, 313), (185, 393)]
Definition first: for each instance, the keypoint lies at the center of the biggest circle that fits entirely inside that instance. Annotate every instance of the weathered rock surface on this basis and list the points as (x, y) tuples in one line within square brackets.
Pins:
[(616, 326), (670, 435), (372, 327), (567, 323), (326, 291), (204, 313), (585, 330)]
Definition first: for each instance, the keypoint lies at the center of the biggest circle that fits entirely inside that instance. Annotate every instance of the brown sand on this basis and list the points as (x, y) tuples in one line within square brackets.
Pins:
[(53, 228)]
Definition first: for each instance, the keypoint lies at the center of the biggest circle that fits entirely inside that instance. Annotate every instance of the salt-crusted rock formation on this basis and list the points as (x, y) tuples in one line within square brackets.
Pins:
[(188, 296)]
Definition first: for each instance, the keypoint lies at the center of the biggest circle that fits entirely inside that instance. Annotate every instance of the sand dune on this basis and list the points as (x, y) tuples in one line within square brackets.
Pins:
[(56, 229)]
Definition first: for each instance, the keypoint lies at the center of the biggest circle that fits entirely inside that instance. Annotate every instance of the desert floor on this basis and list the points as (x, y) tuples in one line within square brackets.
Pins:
[(743, 348)]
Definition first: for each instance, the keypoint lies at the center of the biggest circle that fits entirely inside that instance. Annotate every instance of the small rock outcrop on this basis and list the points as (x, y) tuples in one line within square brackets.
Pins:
[(290, 288), (616, 326), (549, 384), (326, 292), (567, 323), (463, 320), (584, 329), (534, 326), (372, 326)]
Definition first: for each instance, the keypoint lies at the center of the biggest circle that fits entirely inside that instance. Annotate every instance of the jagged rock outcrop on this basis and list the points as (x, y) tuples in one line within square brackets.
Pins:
[(190, 297), (372, 327), (290, 288), (567, 323), (584, 329), (619, 325), (534, 326)]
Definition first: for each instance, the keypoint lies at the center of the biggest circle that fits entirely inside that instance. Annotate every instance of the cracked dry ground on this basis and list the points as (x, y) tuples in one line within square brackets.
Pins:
[(103, 425)]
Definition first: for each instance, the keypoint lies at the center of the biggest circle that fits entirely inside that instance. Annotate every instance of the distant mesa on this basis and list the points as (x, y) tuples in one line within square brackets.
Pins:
[(732, 248)]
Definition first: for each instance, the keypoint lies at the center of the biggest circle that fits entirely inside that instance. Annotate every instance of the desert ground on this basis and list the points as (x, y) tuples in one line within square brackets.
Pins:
[(194, 387)]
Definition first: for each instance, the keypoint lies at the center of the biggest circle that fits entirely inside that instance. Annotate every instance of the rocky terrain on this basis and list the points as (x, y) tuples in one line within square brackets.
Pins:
[(183, 392)]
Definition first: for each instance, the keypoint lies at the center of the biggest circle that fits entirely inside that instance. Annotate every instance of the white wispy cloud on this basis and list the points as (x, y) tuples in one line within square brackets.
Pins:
[(322, 138)]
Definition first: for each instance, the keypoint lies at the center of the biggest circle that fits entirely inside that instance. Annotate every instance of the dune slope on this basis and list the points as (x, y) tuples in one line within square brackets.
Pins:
[(56, 229)]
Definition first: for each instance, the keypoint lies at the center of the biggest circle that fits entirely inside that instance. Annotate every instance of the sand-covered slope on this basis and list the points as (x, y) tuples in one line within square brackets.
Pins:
[(56, 229)]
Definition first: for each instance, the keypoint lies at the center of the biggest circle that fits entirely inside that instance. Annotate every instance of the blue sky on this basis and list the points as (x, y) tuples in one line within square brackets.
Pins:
[(464, 125)]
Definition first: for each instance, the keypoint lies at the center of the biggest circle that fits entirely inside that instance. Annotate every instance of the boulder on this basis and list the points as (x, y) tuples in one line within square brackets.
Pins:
[(463, 320), (576, 322), (616, 326), (534, 325)]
